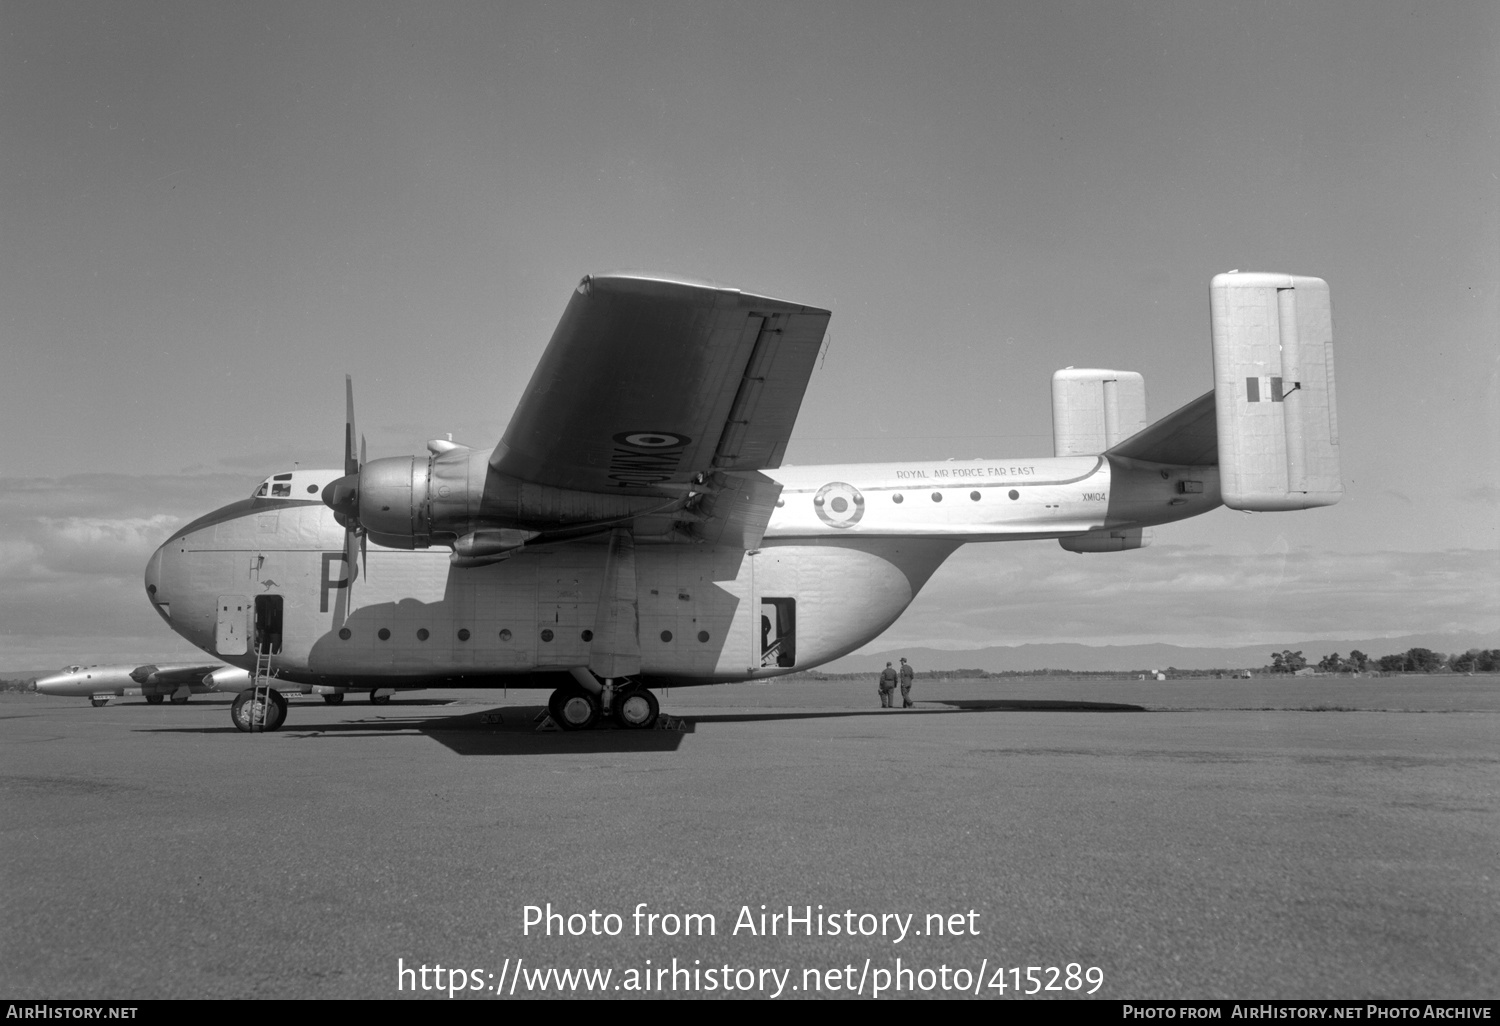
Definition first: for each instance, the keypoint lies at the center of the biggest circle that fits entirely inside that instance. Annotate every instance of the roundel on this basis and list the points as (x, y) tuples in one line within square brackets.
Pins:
[(838, 504), (651, 439)]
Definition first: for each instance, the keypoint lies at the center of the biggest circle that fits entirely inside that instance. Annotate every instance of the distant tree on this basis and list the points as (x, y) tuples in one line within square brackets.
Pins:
[(1291, 662), (1277, 666), (1330, 663), (1423, 660), (1392, 663), (1488, 661), (1357, 661)]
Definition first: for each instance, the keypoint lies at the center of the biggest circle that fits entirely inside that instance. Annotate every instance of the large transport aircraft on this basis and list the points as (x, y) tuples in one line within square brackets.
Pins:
[(635, 527)]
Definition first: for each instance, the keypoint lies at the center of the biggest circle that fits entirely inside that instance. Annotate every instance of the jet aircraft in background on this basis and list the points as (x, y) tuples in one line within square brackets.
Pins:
[(156, 684), (177, 681), (635, 527)]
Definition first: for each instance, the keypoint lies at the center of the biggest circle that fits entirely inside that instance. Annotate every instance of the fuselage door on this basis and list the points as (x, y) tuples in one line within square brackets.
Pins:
[(234, 617)]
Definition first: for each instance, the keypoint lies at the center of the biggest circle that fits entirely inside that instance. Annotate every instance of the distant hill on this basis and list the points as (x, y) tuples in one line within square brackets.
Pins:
[(1095, 658)]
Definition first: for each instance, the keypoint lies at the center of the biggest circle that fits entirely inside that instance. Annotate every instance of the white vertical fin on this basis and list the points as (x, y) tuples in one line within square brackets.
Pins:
[(1273, 391), (1093, 409)]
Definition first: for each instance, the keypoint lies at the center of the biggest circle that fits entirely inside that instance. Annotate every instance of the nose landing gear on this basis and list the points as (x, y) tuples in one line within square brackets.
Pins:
[(253, 712)]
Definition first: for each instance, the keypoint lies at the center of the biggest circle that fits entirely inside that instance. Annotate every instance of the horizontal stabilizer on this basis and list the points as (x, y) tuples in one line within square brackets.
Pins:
[(1187, 437), (1094, 409), (1274, 394)]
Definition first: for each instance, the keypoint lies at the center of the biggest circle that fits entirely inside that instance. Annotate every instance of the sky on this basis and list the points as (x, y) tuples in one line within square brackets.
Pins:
[(212, 212)]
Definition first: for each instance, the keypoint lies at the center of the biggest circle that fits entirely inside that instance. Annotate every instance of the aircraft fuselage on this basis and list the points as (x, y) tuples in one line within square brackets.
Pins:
[(846, 550)]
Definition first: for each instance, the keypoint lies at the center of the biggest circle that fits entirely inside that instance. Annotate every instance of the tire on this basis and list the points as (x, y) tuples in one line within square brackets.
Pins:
[(637, 709), (98, 702), (333, 699), (179, 701), (155, 699), (246, 714), (575, 710), (378, 699)]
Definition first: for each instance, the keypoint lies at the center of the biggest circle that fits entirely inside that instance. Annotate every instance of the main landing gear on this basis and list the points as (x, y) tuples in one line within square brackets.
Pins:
[(97, 702), (257, 709), (155, 699), (334, 699), (631, 706)]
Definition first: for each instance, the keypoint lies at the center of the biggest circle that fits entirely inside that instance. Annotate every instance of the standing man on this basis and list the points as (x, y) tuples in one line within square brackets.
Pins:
[(887, 687), (906, 675)]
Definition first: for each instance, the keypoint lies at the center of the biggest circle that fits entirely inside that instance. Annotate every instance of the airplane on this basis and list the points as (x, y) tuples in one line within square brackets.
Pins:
[(178, 682), (635, 527), (157, 683)]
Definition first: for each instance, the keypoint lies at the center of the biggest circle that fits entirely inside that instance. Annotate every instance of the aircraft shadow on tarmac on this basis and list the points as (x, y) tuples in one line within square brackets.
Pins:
[(511, 730)]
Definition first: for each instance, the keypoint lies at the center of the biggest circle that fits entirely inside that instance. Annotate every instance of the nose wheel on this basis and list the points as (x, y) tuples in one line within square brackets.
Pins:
[(254, 712), (155, 699)]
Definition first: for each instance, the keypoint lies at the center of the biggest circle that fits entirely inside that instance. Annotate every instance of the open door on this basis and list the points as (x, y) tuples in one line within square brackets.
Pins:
[(778, 631), (268, 623)]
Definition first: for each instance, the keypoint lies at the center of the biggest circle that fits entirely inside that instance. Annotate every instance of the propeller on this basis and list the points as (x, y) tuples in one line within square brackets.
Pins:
[(342, 496)]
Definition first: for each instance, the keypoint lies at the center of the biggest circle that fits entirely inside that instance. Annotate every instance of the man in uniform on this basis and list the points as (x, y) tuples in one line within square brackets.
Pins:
[(906, 675), (887, 687)]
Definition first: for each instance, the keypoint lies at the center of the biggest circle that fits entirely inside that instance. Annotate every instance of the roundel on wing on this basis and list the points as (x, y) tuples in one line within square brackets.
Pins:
[(838, 504), (652, 439)]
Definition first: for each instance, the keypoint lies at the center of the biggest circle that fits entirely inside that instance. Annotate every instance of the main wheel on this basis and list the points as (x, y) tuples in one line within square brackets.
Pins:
[(251, 714), (573, 709), (97, 702), (333, 699), (376, 698), (637, 709), (179, 699), (155, 699)]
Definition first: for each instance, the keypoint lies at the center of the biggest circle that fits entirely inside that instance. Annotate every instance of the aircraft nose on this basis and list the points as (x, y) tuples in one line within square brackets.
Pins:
[(48, 685), (153, 583)]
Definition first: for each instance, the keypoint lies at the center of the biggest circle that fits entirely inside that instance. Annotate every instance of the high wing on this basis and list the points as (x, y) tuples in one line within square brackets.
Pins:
[(1187, 437), (651, 385)]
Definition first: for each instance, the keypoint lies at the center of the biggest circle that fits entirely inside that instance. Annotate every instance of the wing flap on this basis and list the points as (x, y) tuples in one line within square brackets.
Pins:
[(738, 511)]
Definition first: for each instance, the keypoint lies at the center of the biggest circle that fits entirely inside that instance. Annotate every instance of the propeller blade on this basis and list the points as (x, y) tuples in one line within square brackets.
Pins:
[(351, 465), (351, 570)]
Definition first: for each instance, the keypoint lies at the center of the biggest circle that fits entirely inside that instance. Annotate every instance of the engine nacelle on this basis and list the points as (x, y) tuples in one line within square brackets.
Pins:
[(393, 501), (453, 497), (228, 678), (1117, 540)]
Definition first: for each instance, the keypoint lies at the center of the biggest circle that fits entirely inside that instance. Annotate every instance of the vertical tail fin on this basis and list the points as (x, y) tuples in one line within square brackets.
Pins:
[(1273, 391), (1092, 410)]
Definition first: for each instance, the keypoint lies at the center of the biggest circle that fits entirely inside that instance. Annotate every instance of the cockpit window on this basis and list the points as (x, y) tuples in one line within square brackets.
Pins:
[(281, 490), (261, 491)]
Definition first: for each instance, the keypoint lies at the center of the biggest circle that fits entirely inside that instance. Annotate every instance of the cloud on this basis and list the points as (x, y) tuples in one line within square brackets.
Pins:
[(72, 556)]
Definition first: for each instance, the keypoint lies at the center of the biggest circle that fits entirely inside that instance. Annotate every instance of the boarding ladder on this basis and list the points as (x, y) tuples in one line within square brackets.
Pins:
[(260, 701)]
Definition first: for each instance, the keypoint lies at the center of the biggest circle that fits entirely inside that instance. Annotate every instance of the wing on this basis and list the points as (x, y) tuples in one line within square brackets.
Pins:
[(649, 383), (1188, 437)]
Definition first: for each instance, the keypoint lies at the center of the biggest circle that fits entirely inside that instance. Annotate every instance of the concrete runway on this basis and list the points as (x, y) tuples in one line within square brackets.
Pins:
[(1207, 839)]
